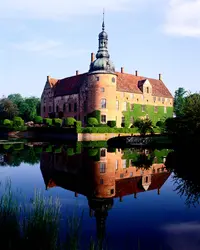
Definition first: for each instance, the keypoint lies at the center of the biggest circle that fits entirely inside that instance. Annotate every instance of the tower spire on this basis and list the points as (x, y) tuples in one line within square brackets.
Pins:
[(103, 24)]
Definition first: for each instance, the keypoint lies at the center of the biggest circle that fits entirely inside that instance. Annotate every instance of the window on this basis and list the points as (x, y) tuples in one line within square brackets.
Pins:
[(85, 119), (132, 107), (103, 103), (165, 109), (85, 106), (154, 99), (146, 179), (116, 164), (103, 118), (132, 95), (131, 119), (142, 97), (122, 94), (75, 107), (125, 106), (103, 152), (64, 107), (159, 99), (155, 109), (121, 175), (102, 89), (131, 174), (57, 109), (117, 105), (75, 117), (44, 109), (97, 78), (69, 107), (101, 181), (113, 79), (147, 90), (102, 167), (123, 119), (124, 163), (112, 191), (49, 109), (143, 108), (163, 100)]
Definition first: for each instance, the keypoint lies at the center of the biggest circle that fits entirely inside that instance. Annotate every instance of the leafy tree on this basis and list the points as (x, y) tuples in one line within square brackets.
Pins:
[(8, 109), (179, 101), (144, 126)]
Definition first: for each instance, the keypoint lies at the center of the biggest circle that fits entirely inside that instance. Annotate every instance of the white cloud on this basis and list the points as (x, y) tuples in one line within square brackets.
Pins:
[(183, 18), (51, 48), (59, 9)]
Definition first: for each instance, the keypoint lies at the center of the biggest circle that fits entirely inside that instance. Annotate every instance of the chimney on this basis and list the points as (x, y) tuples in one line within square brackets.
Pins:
[(158, 191), (77, 72), (160, 77), (48, 77), (136, 73), (122, 70), (92, 57)]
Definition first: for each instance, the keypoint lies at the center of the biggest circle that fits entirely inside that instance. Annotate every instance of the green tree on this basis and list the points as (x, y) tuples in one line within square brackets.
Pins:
[(144, 126), (8, 109), (179, 101)]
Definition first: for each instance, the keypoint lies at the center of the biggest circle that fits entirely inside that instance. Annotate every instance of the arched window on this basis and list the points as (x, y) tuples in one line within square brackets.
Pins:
[(64, 107), (49, 109), (44, 109), (146, 179), (103, 103), (57, 109)]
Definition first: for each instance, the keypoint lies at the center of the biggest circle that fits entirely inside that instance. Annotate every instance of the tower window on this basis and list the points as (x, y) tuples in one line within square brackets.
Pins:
[(75, 107), (147, 90), (103, 103), (85, 106), (102, 89), (97, 78), (103, 118), (102, 167), (101, 181), (146, 179), (113, 79), (69, 107)]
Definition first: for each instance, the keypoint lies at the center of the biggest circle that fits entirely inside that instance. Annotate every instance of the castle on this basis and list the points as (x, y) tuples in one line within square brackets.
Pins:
[(119, 96)]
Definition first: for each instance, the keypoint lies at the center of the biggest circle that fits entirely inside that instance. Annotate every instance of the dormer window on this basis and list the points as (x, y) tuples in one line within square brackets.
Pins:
[(147, 90)]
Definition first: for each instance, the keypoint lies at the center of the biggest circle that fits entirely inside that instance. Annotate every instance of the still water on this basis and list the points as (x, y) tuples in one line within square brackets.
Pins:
[(130, 197)]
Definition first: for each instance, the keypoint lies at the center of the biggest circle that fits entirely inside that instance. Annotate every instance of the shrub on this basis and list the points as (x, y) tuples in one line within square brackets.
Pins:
[(96, 114), (70, 151), (92, 152), (111, 124), (18, 122), (159, 124), (38, 119), (92, 121), (47, 121), (78, 126), (7, 123), (70, 121), (57, 122)]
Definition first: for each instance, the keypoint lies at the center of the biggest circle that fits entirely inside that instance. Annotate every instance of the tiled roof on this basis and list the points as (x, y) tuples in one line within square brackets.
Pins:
[(125, 83), (133, 185), (130, 83), (69, 85)]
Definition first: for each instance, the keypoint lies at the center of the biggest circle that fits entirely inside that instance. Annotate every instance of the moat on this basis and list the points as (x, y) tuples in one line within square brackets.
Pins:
[(129, 198)]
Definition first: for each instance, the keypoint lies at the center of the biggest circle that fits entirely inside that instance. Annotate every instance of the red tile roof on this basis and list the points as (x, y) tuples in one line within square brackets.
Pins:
[(69, 85), (130, 83), (125, 83)]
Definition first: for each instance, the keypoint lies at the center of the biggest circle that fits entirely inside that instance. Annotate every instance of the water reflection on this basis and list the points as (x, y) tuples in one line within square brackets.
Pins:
[(103, 174)]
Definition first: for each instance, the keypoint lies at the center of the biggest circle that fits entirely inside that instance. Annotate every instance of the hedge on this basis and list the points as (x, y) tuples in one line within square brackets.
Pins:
[(69, 121), (18, 122), (57, 122), (38, 119), (47, 121), (108, 130), (111, 124)]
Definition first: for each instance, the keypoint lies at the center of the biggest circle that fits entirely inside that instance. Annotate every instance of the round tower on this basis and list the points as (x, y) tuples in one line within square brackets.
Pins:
[(102, 81)]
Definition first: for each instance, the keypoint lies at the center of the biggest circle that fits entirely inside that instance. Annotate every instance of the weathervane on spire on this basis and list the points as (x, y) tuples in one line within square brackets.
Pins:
[(103, 24)]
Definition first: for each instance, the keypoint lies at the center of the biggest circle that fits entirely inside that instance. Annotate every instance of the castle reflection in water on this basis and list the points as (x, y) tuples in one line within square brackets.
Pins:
[(102, 178)]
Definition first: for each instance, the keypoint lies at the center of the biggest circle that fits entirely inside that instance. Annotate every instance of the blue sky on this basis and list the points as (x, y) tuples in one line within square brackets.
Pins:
[(56, 37)]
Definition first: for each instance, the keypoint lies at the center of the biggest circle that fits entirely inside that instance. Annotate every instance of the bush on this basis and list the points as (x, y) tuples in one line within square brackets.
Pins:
[(47, 121), (38, 119), (111, 124), (78, 126), (96, 114), (159, 124), (7, 123), (70, 121), (92, 121), (18, 122), (57, 122), (92, 152), (144, 126)]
